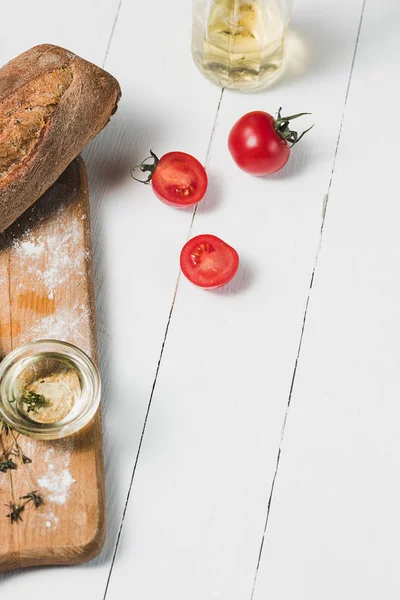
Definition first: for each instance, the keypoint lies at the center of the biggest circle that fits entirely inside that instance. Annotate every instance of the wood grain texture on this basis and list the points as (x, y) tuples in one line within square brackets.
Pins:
[(47, 292)]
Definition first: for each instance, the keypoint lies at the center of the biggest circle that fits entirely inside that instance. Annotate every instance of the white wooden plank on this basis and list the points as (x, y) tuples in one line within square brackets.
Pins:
[(83, 27), (199, 497), (334, 525)]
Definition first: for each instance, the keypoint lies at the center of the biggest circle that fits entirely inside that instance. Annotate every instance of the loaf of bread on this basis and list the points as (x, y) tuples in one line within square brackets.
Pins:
[(52, 103)]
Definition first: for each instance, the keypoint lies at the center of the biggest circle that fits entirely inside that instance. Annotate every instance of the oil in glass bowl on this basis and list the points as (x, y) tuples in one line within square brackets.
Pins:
[(48, 389)]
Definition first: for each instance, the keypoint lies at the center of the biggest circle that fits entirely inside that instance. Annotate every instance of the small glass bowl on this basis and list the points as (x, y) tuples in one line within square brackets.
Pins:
[(39, 363)]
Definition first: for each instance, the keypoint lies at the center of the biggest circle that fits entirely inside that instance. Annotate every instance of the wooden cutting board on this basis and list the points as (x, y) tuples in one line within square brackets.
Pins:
[(46, 291)]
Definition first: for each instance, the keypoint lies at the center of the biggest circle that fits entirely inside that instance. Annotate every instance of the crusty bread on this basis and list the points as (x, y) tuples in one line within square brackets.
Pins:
[(52, 103)]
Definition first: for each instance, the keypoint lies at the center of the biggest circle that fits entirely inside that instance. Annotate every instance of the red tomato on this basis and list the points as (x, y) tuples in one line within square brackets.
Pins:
[(259, 143), (178, 179), (208, 262)]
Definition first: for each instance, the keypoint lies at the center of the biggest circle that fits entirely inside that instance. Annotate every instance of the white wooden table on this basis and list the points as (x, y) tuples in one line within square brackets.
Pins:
[(251, 434)]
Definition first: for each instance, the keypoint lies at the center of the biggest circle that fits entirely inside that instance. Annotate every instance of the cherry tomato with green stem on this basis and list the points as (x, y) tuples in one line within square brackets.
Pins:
[(260, 144), (177, 178)]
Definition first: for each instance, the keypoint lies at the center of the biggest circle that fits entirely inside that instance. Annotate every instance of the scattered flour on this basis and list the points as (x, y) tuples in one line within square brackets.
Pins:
[(49, 259), (51, 520), (64, 253), (64, 325), (57, 485), (30, 248), (57, 482)]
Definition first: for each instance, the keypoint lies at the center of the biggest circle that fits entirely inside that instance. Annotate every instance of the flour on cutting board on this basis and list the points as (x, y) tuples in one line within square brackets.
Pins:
[(57, 480), (63, 250), (51, 521), (54, 482), (31, 249), (50, 259), (66, 324)]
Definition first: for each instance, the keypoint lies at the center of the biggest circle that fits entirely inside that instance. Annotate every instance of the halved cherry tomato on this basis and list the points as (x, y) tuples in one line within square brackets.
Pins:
[(209, 262), (178, 179), (259, 143)]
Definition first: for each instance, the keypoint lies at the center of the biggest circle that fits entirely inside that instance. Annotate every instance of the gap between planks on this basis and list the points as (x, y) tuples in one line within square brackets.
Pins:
[(112, 32), (159, 364), (324, 212)]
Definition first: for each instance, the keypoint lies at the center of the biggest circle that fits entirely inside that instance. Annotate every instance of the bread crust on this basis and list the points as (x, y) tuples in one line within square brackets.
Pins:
[(83, 110)]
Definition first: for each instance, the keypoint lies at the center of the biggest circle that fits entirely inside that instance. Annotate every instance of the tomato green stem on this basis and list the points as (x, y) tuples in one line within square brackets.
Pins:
[(282, 126), (146, 168)]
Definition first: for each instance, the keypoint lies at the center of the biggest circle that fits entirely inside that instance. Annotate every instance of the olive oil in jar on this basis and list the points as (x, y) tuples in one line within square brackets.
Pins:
[(239, 43)]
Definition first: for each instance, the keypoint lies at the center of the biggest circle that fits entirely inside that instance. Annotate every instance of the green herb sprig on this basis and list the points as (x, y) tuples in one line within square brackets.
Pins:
[(8, 465), (34, 401), (15, 512)]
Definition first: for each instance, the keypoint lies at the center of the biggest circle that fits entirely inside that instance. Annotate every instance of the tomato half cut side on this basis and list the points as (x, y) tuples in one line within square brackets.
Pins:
[(209, 262), (179, 180)]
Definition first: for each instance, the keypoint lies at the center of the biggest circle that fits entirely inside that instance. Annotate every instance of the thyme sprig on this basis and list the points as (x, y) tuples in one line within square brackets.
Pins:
[(9, 451), (15, 512), (34, 401), (7, 464), (34, 497)]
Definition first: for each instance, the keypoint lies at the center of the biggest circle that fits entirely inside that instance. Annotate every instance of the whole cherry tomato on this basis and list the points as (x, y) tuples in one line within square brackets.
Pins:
[(260, 144)]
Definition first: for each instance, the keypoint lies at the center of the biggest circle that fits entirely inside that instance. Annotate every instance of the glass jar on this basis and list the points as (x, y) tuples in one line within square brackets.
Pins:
[(48, 389), (239, 43)]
